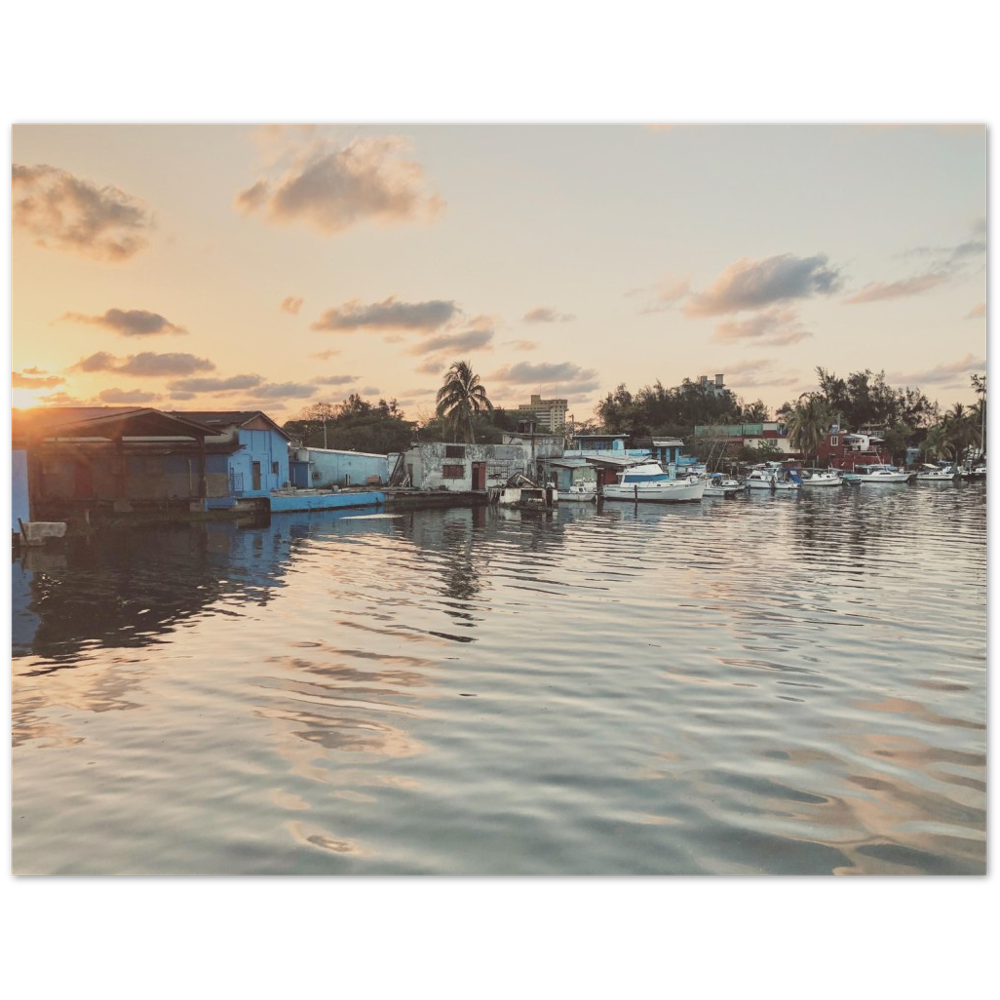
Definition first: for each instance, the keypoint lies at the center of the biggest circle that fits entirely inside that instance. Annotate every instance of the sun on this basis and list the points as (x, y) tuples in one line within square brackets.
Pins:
[(22, 399)]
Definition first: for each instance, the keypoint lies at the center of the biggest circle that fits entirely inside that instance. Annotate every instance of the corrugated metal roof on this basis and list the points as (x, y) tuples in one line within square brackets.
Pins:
[(667, 442), (566, 463)]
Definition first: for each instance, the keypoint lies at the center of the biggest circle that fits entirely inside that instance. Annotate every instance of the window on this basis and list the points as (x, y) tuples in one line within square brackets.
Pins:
[(274, 468), (834, 441), (453, 472), (454, 451)]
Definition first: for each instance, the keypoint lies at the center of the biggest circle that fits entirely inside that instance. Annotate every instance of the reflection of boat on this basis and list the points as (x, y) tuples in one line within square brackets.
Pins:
[(822, 477), (876, 475), (719, 485), (772, 476), (647, 482), (937, 474)]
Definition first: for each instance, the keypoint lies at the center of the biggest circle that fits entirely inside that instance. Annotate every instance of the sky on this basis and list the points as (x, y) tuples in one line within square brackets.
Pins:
[(246, 266)]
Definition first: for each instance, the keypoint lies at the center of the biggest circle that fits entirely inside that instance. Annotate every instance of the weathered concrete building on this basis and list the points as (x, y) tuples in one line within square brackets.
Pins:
[(432, 465)]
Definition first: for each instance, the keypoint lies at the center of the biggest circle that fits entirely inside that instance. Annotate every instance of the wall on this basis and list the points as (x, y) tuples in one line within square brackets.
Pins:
[(345, 468), (429, 461), (267, 447), (20, 507)]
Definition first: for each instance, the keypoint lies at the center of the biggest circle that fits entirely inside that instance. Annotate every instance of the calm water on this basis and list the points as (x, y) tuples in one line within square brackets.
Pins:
[(759, 685)]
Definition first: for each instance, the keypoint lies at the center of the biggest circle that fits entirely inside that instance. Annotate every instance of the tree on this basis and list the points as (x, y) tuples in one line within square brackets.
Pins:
[(353, 425), (808, 423), (460, 397)]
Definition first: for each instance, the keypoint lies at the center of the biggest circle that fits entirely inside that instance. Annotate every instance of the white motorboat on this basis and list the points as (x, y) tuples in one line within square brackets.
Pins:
[(822, 477), (647, 482), (774, 477), (876, 475), (580, 492), (719, 485), (937, 474)]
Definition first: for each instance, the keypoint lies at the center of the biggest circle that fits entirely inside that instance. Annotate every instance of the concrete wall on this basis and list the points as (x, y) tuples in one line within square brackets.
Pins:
[(344, 468), (20, 506), (502, 461)]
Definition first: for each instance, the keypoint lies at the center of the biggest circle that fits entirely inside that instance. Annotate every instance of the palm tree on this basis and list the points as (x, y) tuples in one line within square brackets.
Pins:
[(808, 423), (460, 397)]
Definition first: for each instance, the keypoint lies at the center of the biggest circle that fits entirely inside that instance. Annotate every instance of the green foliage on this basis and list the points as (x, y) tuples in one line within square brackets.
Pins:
[(353, 425), (808, 422), (460, 398), (656, 410)]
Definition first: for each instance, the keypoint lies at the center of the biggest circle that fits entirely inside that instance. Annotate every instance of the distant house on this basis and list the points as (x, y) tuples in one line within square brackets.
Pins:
[(113, 458), (771, 433), (257, 448), (844, 450)]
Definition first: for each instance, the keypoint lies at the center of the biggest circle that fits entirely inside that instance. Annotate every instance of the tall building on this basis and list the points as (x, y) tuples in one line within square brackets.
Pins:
[(550, 413)]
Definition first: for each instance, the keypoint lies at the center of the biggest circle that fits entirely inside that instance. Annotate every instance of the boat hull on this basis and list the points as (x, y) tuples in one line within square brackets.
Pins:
[(672, 491)]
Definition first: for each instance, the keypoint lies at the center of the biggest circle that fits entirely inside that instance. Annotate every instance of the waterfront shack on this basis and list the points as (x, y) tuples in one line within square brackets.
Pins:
[(567, 473), (257, 449), (81, 461), (435, 465), (321, 468)]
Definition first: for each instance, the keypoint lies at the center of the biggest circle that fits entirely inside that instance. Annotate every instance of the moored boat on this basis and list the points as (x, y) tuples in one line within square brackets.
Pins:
[(774, 477), (876, 475), (647, 482), (719, 485), (822, 477), (937, 474)]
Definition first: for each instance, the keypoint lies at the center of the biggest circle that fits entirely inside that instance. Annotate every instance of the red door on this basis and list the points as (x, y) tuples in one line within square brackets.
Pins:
[(479, 475)]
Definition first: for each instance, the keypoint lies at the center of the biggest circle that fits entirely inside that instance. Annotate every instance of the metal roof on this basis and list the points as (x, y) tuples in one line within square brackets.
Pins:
[(667, 442), (566, 463)]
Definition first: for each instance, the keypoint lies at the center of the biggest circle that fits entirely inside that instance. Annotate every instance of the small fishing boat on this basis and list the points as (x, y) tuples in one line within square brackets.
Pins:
[(719, 485), (580, 492), (774, 477), (822, 477), (937, 474)]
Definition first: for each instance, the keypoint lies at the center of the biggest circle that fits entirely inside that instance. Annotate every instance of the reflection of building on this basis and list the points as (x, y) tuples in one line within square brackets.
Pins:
[(549, 413)]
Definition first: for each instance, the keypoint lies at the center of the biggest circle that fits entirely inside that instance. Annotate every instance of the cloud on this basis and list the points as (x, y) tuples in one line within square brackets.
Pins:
[(522, 345), (292, 305), (545, 314), (331, 189), (66, 213), (750, 284), (128, 322), (470, 340), (742, 367), (952, 371), (28, 379), (770, 328), (878, 291), (977, 312), (666, 293), (432, 366), (335, 379), (370, 390), (126, 396), (387, 315), (144, 364), (526, 373), (183, 395), (283, 390), (324, 355), (234, 382)]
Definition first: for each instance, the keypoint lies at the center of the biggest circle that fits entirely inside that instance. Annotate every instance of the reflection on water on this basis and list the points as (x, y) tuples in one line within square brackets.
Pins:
[(760, 684)]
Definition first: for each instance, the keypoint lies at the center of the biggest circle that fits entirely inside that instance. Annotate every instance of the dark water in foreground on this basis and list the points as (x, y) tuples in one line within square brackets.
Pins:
[(761, 685)]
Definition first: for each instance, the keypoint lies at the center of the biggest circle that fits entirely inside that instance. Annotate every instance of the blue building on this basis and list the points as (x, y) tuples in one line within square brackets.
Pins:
[(259, 464)]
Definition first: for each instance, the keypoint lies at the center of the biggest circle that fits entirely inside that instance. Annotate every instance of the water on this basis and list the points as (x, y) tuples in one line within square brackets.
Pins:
[(759, 685)]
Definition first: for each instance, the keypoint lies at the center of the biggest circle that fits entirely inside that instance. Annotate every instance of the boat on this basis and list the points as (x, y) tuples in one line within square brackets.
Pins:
[(647, 482), (976, 471), (522, 494), (719, 485), (774, 477), (822, 477), (585, 492), (876, 475), (937, 474)]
